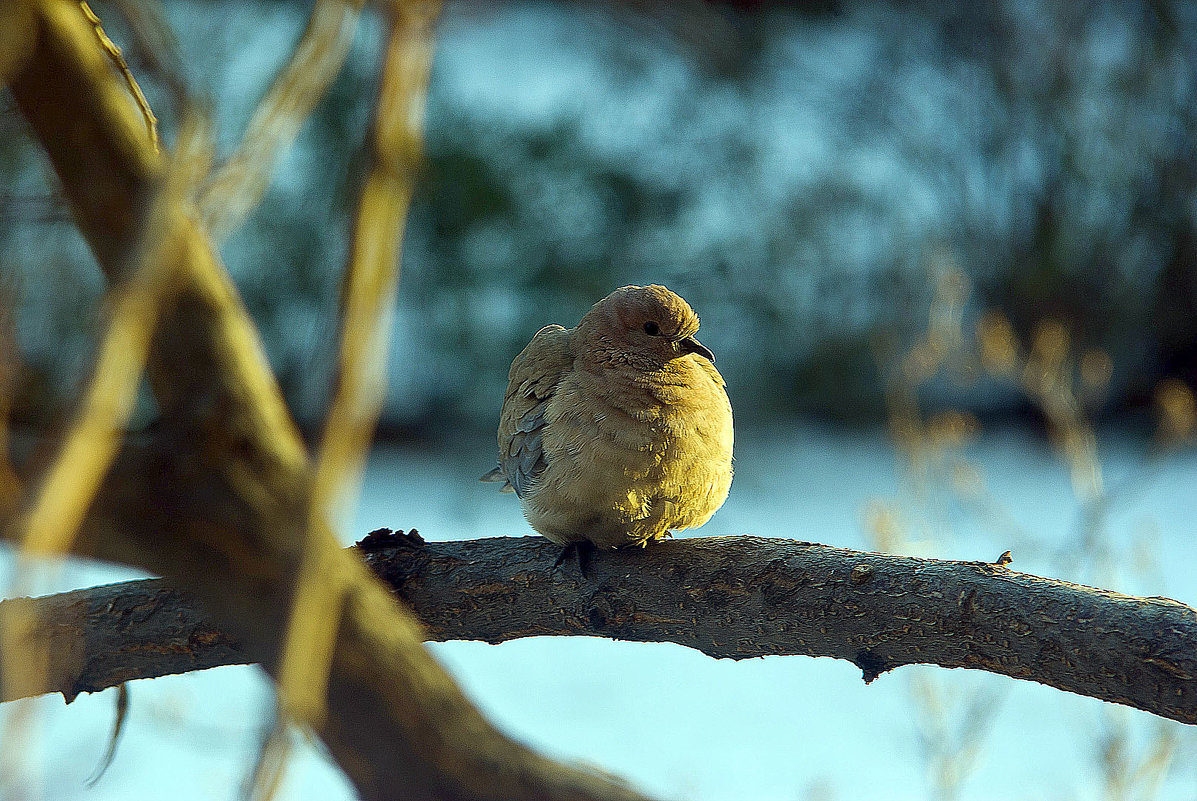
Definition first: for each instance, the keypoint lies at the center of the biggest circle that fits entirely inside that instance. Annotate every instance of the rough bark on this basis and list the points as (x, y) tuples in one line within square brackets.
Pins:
[(103, 636), (736, 597)]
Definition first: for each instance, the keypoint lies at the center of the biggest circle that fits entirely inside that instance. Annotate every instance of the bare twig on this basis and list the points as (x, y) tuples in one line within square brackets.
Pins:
[(155, 43), (234, 191), (122, 66)]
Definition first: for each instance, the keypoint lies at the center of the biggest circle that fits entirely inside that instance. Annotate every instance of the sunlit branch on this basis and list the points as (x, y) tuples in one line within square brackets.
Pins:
[(225, 482), (729, 597), (371, 279)]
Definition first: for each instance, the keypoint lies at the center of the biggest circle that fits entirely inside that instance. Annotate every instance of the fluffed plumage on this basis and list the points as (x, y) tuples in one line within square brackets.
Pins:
[(618, 431)]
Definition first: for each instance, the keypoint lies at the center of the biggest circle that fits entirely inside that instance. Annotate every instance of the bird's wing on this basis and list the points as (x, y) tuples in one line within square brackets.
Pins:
[(534, 377)]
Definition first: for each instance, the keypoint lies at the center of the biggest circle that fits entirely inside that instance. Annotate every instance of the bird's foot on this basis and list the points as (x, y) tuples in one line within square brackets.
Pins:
[(583, 551)]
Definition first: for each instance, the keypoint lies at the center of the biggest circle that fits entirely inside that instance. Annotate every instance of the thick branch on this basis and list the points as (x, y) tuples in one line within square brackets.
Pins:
[(103, 636), (732, 597), (217, 501)]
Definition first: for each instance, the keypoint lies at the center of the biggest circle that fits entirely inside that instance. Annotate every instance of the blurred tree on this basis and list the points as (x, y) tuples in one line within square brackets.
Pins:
[(791, 168)]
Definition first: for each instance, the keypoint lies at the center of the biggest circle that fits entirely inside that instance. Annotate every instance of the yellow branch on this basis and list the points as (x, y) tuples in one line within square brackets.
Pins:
[(371, 279), (231, 477)]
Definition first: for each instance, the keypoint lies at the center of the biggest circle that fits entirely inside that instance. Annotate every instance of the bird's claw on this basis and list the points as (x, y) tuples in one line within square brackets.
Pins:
[(381, 538)]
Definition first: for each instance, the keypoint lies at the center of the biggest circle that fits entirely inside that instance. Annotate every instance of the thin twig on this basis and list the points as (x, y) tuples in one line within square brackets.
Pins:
[(237, 187), (371, 280), (122, 66)]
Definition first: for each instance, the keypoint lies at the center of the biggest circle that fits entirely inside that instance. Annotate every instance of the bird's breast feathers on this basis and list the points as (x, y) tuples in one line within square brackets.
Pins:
[(659, 453)]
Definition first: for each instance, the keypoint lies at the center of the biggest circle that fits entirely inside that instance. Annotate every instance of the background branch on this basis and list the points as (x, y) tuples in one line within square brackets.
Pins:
[(736, 597)]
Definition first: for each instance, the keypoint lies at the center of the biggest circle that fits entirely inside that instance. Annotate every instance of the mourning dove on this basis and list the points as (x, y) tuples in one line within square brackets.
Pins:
[(618, 431)]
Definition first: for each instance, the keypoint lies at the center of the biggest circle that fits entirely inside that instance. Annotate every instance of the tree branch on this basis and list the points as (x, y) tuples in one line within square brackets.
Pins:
[(736, 597), (103, 636), (217, 501)]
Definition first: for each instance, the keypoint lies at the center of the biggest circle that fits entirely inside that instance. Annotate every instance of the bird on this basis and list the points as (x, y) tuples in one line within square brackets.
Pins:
[(619, 431)]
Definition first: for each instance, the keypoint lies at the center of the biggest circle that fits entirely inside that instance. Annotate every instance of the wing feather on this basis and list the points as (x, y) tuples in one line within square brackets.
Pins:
[(533, 379)]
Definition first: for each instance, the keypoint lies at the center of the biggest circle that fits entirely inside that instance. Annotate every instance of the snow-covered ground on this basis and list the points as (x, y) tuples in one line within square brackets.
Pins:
[(682, 725)]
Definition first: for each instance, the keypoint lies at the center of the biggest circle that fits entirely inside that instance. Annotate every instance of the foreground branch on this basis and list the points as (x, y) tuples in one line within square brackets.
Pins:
[(217, 500), (732, 597)]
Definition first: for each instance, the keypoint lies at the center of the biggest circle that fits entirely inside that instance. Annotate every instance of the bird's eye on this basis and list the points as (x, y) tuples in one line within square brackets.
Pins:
[(652, 329)]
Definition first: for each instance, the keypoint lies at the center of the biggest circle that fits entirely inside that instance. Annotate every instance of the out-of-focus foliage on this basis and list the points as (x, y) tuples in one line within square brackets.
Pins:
[(799, 175), (945, 492)]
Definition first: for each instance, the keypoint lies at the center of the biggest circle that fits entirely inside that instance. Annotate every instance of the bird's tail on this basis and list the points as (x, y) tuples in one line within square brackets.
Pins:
[(496, 476)]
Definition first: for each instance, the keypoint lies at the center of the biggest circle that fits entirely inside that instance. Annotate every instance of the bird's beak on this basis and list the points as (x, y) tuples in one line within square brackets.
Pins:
[(692, 345)]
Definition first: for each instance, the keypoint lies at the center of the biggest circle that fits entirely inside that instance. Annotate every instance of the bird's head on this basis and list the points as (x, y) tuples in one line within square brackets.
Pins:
[(648, 324)]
